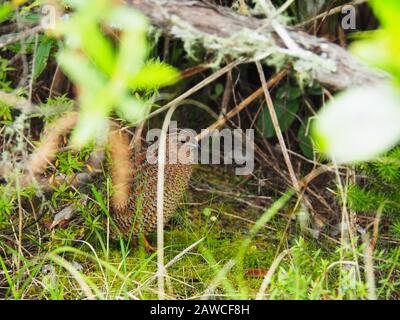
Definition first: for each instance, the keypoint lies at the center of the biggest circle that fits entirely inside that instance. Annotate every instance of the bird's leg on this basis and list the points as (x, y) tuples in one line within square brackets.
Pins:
[(149, 248), (142, 240)]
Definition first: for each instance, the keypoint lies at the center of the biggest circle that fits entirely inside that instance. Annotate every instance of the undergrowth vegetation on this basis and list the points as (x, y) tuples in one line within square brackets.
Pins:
[(233, 237)]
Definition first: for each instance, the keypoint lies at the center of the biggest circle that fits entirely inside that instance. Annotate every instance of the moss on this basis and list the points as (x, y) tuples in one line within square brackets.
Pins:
[(381, 187)]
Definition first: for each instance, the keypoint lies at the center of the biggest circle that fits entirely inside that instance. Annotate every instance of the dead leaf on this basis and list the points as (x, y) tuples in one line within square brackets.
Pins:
[(256, 272), (63, 217)]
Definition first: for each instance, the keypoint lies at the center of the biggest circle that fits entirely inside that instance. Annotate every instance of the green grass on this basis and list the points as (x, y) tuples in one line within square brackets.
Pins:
[(238, 247), (77, 262), (238, 250)]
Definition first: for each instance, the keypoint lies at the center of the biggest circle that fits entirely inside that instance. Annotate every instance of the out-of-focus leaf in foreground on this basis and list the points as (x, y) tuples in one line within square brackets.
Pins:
[(360, 124), (382, 48), (104, 73), (363, 123), (5, 11)]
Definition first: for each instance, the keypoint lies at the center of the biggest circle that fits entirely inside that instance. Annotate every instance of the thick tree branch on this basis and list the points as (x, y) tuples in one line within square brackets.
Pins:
[(227, 33)]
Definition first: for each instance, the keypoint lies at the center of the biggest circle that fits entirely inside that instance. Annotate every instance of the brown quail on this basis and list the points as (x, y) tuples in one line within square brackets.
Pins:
[(139, 214)]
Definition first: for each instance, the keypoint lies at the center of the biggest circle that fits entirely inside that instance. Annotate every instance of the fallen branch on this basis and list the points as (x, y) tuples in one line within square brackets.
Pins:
[(221, 30)]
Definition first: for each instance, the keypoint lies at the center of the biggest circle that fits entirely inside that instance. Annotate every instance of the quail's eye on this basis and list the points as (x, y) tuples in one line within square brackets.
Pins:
[(184, 139)]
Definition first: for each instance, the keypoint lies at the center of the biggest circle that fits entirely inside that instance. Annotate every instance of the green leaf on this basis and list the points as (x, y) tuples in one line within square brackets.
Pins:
[(132, 110), (305, 142), (96, 46), (80, 70), (218, 91), (132, 53), (388, 12), (154, 75), (315, 90), (382, 48), (288, 92), (105, 74), (5, 11), (207, 212), (286, 113), (41, 57)]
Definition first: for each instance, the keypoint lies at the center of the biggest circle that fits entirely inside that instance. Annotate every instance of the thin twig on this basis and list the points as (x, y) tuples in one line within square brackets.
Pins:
[(270, 273), (20, 36), (227, 94), (331, 12), (31, 80), (278, 131), (197, 87), (369, 268), (245, 103), (377, 220), (345, 220), (217, 280), (160, 203), (173, 261)]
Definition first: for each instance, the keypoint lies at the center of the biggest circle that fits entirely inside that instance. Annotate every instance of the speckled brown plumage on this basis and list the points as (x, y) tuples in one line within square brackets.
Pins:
[(139, 214)]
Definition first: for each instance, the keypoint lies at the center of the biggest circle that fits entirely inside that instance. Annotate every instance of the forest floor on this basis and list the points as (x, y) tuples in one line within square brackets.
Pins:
[(232, 237), (204, 242)]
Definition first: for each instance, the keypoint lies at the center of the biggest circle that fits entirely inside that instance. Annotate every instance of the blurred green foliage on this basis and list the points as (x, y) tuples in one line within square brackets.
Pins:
[(5, 11), (381, 48), (105, 72)]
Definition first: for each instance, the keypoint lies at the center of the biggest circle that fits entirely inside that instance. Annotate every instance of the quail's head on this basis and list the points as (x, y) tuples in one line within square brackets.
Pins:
[(181, 148)]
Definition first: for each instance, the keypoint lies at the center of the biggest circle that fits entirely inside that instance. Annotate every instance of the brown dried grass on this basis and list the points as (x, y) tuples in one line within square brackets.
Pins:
[(121, 167)]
